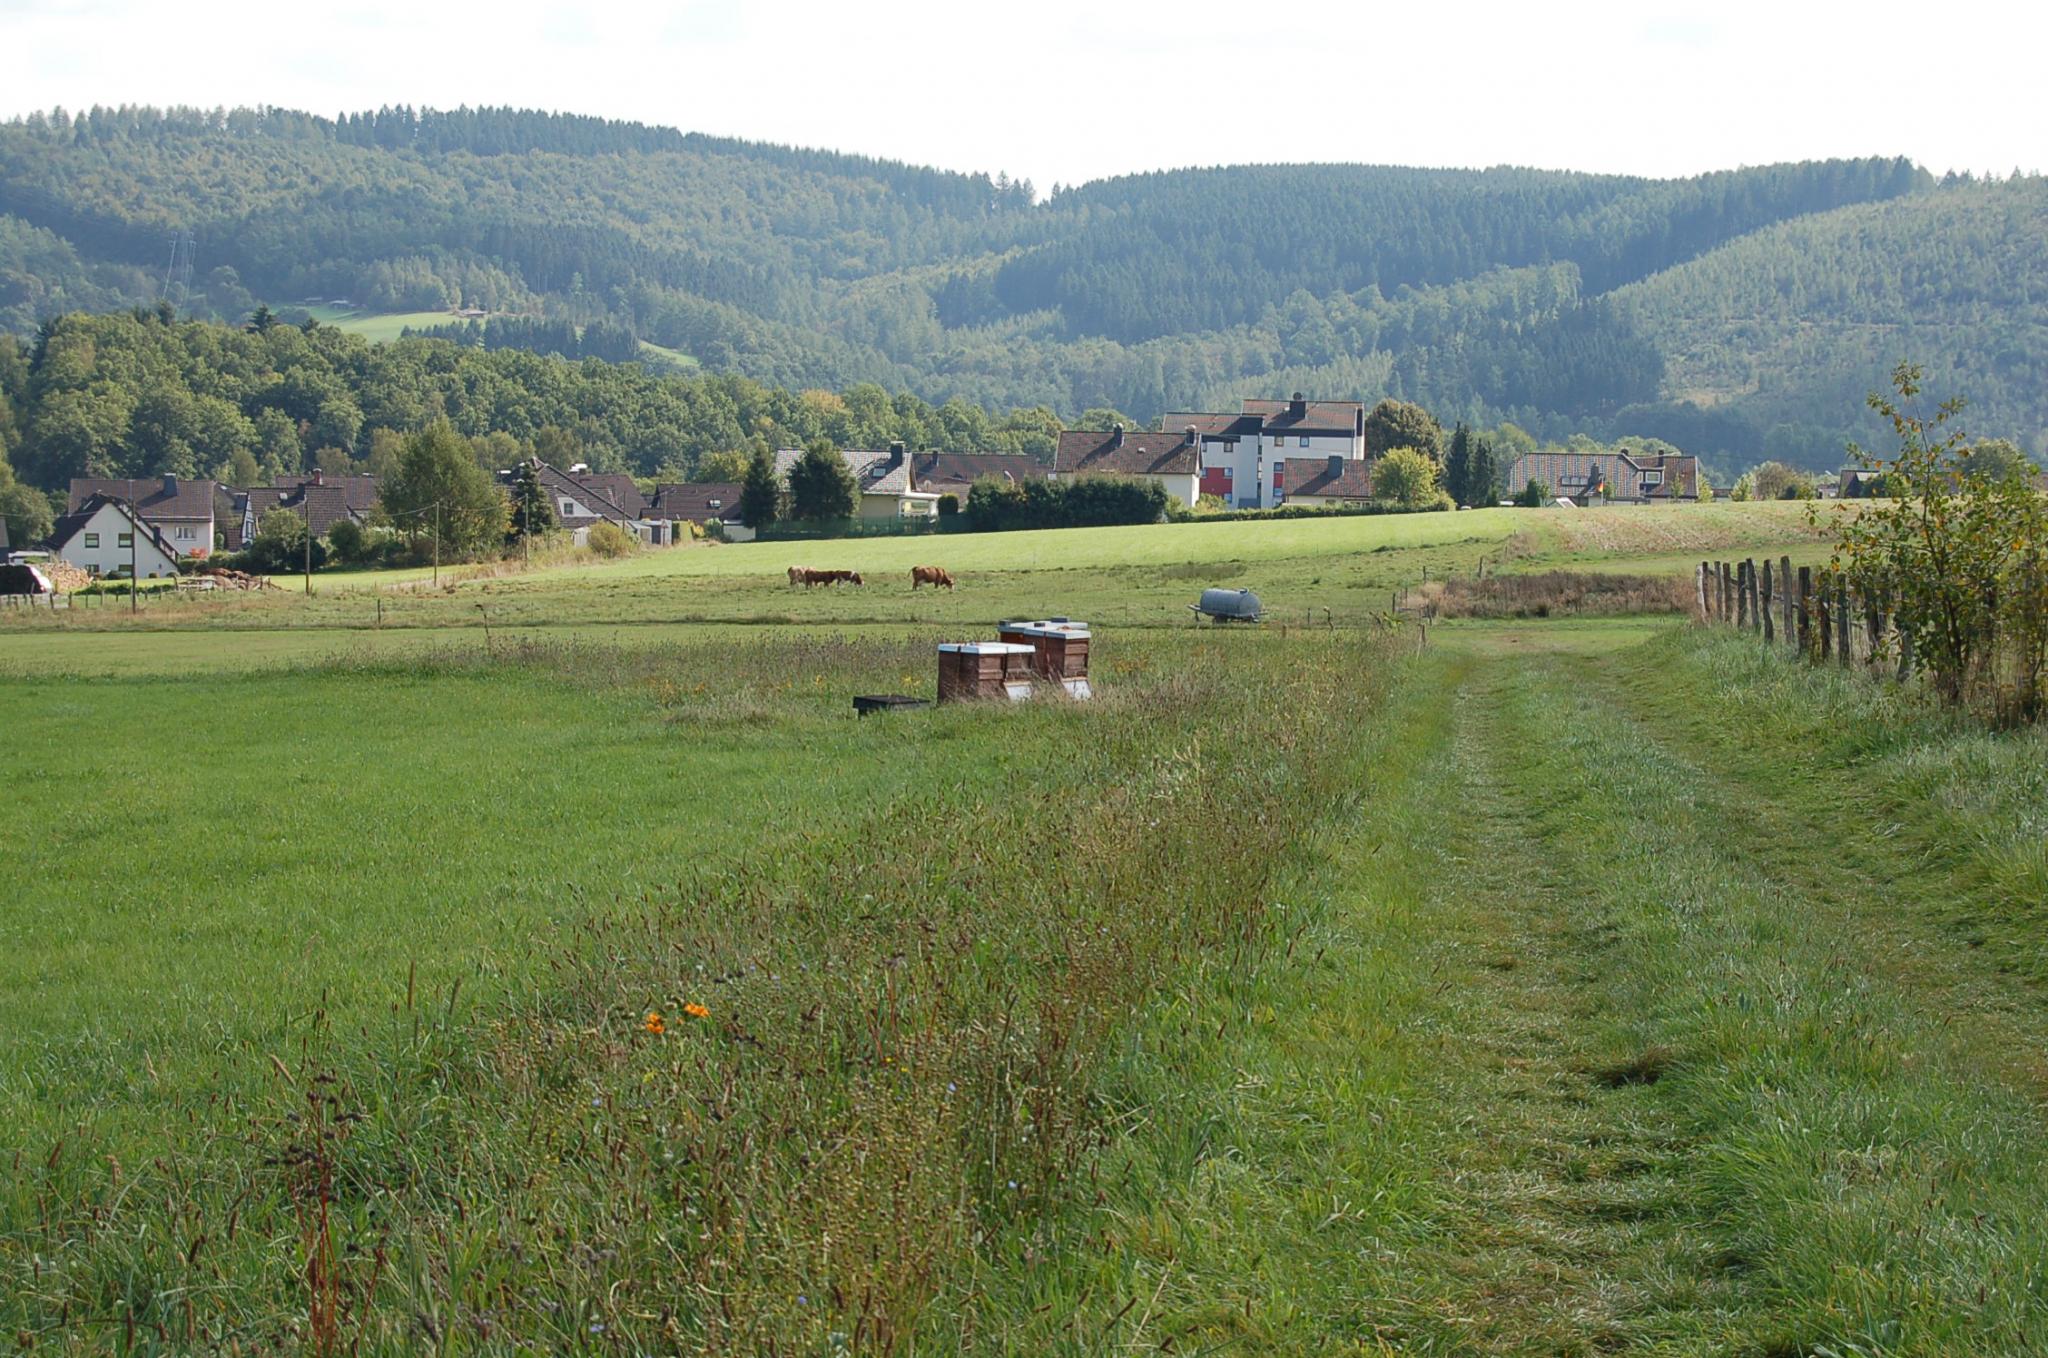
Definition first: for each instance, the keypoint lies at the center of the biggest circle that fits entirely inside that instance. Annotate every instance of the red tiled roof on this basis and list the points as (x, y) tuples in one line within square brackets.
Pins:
[(1137, 453), (1573, 474), (932, 470), (617, 487), (156, 498), (697, 501), (359, 490), (1328, 417), (1210, 425), (1312, 476)]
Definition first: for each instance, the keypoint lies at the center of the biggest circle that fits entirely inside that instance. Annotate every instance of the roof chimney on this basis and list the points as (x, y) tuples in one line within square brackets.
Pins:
[(1297, 405), (170, 484), (896, 453), (1116, 436), (1336, 465), (1190, 436), (317, 478)]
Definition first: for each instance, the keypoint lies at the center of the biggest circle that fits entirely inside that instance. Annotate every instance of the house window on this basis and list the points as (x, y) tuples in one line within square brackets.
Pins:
[(186, 533), (1227, 472), (1304, 440), (92, 539), (1653, 477), (715, 504), (569, 508), (125, 540)]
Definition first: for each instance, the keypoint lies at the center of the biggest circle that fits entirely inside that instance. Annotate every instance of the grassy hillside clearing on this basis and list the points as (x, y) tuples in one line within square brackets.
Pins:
[(377, 325)]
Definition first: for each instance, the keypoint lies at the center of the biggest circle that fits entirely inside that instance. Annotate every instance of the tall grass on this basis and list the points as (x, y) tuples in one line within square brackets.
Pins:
[(876, 1061)]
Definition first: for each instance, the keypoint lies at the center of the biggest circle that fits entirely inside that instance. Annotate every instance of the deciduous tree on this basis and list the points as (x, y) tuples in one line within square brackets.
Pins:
[(1402, 424), (440, 486)]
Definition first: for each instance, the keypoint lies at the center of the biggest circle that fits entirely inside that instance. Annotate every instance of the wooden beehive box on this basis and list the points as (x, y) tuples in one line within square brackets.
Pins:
[(984, 669), (1059, 649)]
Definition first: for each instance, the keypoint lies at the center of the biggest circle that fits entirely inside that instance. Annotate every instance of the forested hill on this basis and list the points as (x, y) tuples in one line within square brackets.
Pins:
[(1537, 296)]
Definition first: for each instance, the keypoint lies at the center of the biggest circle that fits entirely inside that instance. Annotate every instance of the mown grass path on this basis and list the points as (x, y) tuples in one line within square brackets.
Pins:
[(1625, 1025)]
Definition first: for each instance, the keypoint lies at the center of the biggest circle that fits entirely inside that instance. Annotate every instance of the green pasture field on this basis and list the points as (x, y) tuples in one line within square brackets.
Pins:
[(377, 325), (599, 984), (675, 356), (1338, 570)]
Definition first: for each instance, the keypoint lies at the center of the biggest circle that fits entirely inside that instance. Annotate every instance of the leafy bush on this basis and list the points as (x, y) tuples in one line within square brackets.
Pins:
[(348, 541), (279, 546), (1961, 554), (949, 505), (1079, 502), (608, 539), (1407, 477)]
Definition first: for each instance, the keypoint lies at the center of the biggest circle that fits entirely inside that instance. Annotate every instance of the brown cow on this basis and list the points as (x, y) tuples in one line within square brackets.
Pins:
[(800, 575), (930, 575), (817, 577)]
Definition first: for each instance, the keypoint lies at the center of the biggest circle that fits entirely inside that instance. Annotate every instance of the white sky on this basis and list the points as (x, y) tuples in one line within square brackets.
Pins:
[(1068, 90)]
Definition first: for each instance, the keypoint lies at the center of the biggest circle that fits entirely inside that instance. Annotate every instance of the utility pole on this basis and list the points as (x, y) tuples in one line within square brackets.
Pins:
[(306, 501), (134, 550)]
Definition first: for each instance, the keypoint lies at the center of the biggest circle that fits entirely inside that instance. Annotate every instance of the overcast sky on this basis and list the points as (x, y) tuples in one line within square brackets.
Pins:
[(1063, 91)]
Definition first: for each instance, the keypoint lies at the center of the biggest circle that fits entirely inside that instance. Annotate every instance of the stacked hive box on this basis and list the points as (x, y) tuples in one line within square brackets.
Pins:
[(984, 669), (1059, 649)]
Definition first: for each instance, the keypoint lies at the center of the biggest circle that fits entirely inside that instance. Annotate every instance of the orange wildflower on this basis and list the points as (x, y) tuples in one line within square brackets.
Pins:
[(654, 1024), (696, 1011)]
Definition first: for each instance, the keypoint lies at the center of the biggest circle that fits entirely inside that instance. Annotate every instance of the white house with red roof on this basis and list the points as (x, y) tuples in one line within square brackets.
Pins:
[(1243, 455)]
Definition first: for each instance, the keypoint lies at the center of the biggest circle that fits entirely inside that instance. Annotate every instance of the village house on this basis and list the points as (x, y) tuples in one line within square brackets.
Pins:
[(583, 499), (704, 503), (1630, 478), (103, 537), (887, 485), (1332, 482), (180, 510), (955, 473), (1174, 461), (321, 501), (1243, 454)]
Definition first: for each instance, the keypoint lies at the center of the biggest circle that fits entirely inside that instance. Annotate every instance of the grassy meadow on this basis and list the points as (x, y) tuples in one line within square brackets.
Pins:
[(1347, 570), (597, 983)]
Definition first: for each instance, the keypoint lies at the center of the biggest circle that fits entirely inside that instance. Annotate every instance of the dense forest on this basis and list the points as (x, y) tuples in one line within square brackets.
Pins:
[(144, 393), (1736, 313)]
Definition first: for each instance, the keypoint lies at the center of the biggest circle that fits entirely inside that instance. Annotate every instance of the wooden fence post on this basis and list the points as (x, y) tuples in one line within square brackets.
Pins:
[(1873, 622), (1899, 620), (1742, 594), (1699, 581), (1765, 598), (1756, 600), (1842, 623), (1785, 587), (1805, 609), (1727, 593)]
